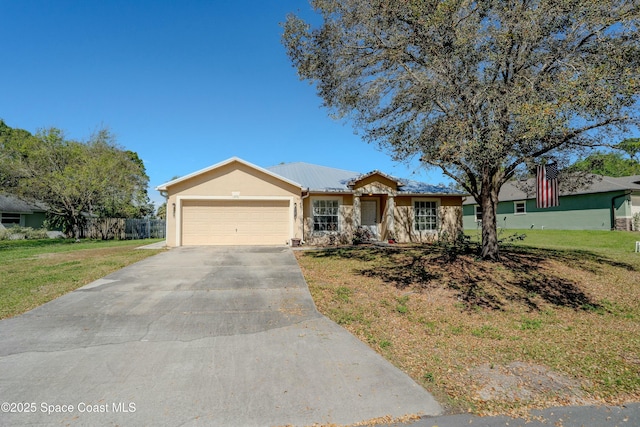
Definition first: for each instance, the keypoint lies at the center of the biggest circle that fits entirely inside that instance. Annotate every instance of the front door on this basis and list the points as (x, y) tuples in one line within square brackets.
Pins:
[(369, 217)]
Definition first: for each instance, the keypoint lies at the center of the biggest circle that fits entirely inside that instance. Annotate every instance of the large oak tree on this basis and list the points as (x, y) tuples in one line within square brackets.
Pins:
[(480, 89)]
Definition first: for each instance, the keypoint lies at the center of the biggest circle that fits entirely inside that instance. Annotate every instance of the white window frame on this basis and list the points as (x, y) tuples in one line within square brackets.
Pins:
[(524, 207), (415, 228), (477, 213), (337, 200)]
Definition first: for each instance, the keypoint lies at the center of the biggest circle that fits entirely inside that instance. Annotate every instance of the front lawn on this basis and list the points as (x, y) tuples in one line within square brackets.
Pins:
[(556, 322), (33, 272)]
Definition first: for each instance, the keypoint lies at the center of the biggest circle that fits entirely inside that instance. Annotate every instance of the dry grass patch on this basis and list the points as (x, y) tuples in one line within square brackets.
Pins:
[(560, 326)]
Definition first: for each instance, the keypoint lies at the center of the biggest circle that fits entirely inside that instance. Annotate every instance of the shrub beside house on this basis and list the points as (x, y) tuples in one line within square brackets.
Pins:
[(235, 202)]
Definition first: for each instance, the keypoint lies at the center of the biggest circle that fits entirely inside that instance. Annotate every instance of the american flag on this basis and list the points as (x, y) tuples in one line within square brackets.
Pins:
[(547, 186)]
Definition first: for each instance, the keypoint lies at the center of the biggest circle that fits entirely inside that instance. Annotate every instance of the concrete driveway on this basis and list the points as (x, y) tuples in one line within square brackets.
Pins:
[(195, 336)]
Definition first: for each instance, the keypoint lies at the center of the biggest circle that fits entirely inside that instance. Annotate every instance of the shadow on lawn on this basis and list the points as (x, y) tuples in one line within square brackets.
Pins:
[(522, 275)]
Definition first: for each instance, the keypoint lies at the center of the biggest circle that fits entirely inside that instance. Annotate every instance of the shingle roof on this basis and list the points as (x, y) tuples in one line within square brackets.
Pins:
[(513, 190), (13, 204)]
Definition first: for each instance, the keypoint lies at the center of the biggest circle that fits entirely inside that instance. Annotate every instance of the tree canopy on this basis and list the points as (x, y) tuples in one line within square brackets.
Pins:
[(631, 146), (608, 164), (75, 180), (481, 90), (162, 211)]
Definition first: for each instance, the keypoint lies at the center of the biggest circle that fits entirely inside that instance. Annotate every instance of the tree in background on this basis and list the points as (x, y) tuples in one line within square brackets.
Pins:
[(12, 143), (631, 146), (74, 179), (612, 163), (162, 211), (481, 90), (607, 164)]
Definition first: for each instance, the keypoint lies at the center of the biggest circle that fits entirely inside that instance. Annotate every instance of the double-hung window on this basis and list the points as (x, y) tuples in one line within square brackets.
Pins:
[(325, 215), (425, 215), (520, 208)]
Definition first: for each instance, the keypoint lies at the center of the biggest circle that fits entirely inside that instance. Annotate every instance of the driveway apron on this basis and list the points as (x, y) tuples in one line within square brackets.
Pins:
[(223, 336)]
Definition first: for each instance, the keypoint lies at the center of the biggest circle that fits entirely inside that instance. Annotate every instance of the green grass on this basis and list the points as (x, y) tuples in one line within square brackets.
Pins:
[(33, 272), (597, 241), (343, 294), (565, 300)]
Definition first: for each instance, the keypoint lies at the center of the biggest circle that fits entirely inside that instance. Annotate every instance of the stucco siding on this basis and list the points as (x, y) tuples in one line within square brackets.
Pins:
[(449, 219), (171, 221), (450, 201), (375, 184), (346, 222), (232, 181), (227, 194), (234, 178)]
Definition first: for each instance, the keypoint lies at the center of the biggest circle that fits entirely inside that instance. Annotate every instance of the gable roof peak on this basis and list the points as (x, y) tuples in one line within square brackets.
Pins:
[(398, 181), (163, 187)]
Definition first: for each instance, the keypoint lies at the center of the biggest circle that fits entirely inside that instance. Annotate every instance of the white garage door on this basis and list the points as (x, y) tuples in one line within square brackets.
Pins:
[(234, 222)]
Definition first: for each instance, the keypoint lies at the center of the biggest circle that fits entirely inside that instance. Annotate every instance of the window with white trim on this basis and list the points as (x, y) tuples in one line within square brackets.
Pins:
[(425, 215), (520, 208), (10, 219), (478, 213), (326, 215)]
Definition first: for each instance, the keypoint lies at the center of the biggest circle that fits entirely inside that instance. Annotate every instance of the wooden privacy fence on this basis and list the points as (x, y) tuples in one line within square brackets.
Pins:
[(124, 229)]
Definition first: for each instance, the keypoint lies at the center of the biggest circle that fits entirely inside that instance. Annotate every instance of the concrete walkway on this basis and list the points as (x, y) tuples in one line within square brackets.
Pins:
[(196, 336), (157, 245)]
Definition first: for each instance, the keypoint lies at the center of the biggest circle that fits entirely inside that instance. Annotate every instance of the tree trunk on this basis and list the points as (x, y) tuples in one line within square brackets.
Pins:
[(76, 225), (76, 230), (489, 203)]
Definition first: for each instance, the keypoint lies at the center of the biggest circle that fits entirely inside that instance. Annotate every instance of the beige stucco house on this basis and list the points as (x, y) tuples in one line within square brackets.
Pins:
[(235, 202)]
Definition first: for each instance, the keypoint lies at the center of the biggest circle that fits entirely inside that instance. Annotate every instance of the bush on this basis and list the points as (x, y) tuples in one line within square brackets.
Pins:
[(23, 233), (4, 234), (361, 235), (452, 246)]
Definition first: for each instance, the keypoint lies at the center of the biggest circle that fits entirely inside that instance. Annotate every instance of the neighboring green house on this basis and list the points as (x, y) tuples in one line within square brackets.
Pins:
[(606, 204), (17, 212)]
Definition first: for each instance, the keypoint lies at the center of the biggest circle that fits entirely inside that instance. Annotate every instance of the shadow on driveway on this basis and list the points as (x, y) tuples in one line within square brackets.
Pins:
[(197, 335)]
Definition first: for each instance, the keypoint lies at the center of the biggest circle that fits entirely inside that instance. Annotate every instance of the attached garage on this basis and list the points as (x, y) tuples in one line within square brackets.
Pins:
[(236, 222), (232, 203), (235, 202)]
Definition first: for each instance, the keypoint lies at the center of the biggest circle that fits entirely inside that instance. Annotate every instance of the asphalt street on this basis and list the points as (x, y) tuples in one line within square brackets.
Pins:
[(570, 416)]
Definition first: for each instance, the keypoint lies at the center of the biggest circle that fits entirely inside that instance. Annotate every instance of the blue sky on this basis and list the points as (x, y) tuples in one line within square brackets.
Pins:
[(185, 84)]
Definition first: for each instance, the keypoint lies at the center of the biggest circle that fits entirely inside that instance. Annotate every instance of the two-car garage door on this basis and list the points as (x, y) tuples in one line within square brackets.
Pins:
[(235, 222)]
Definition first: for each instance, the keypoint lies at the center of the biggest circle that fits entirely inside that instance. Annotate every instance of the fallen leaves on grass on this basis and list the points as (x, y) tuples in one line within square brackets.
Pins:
[(540, 319), (384, 420)]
